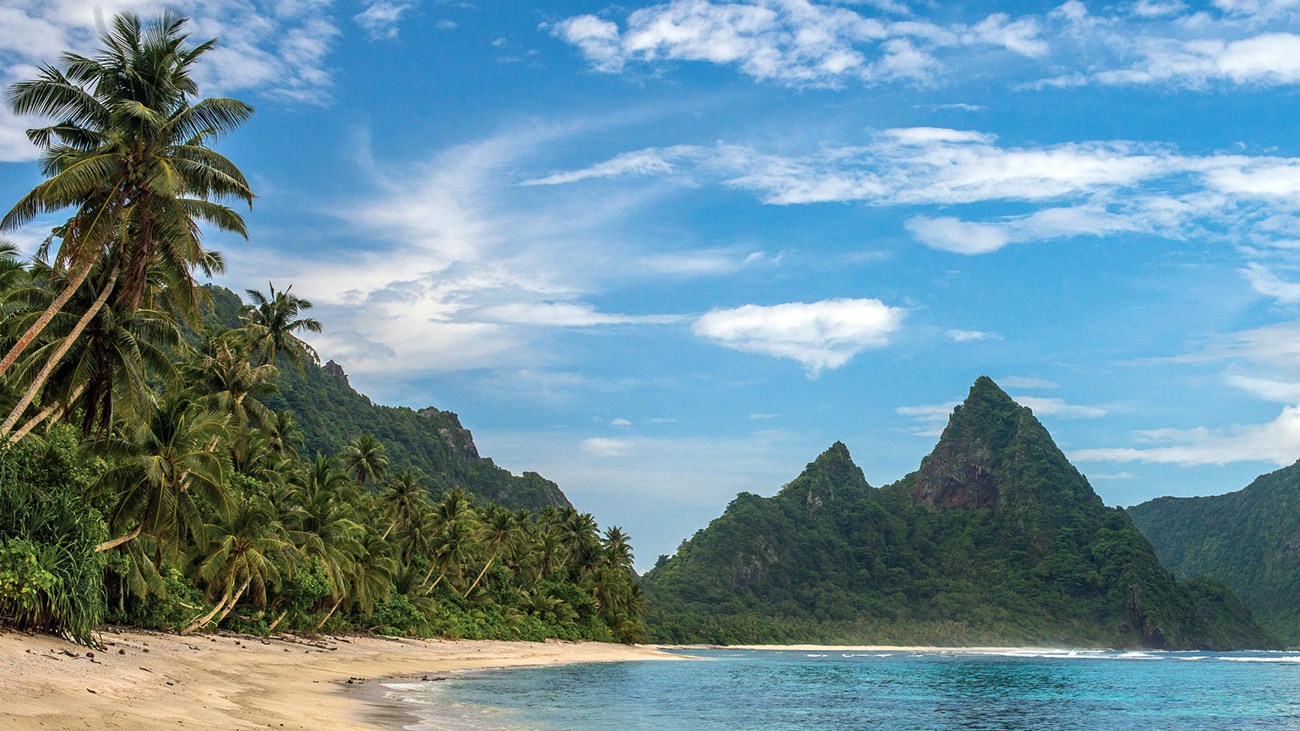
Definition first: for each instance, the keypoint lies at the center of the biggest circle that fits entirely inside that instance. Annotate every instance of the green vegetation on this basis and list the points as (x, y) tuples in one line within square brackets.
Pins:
[(1249, 540), (331, 414), (152, 468), (995, 539)]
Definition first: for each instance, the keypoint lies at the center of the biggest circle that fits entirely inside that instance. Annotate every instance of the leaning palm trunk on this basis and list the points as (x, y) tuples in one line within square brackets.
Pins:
[(53, 410), (277, 621), (234, 601), (79, 277), (53, 362), (208, 618), (114, 543), (331, 613), (486, 566)]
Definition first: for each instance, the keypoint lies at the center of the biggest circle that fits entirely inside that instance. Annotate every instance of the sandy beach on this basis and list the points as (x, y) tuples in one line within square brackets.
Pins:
[(146, 680)]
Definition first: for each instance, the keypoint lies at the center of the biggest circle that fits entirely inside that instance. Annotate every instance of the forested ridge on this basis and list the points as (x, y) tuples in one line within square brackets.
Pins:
[(173, 457), (996, 539), (1249, 540), (330, 414)]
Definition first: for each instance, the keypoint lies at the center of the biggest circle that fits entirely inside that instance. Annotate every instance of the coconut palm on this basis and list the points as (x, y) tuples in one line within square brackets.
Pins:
[(118, 358), (241, 556), (128, 153), (162, 462), (232, 384), (272, 321), (404, 495), (498, 530), (364, 459)]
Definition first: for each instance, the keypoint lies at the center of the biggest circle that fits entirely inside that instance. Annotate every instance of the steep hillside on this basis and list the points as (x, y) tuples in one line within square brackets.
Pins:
[(331, 414), (996, 538), (1249, 540)]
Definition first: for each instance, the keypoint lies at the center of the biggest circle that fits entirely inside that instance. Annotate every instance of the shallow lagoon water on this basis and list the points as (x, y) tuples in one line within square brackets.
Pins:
[(905, 690)]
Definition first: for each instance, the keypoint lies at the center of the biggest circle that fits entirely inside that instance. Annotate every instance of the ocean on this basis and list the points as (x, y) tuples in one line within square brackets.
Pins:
[(903, 691)]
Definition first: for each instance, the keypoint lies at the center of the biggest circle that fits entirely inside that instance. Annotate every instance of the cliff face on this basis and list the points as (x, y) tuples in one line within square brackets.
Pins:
[(996, 538), (331, 414)]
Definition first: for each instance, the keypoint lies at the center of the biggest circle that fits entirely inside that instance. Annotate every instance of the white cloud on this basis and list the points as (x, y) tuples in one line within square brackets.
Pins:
[(971, 336), (928, 420), (605, 447), (629, 164), (1264, 281), (449, 268), (976, 237), (277, 49), (789, 41), (1026, 382), (818, 335), (1285, 392), (1058, 407), (1092, 188), (1277, 441), (620, 422), (958, 236), (380, 18)]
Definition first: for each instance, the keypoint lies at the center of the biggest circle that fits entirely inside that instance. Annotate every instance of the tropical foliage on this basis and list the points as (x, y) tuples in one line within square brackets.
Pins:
[(1249, 540), (152, 471), (995, 540)]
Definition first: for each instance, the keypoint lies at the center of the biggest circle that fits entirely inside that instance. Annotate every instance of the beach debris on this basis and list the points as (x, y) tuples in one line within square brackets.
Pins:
[(88, 690)]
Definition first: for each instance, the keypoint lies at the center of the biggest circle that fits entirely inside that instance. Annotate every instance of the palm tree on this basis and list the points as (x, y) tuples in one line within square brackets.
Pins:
[(241, 555), (405, 493), (364, 459), (233, 384), (116, 360), (499, 530), (323, 523), (271, 322), (161, 463), (128, 153)]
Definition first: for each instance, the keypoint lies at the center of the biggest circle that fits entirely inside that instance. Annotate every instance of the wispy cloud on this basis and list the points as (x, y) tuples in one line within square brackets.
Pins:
[(1092, 188), (1277, 441), (380, 18), (971, 336), (797, 43), (818, 335)]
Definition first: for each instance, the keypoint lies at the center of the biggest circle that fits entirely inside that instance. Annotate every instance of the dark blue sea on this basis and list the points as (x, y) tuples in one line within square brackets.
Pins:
[(903, 690)]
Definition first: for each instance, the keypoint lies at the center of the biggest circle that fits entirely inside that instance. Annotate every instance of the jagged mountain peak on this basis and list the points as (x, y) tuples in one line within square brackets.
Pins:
[(832, 473), (991, 449)]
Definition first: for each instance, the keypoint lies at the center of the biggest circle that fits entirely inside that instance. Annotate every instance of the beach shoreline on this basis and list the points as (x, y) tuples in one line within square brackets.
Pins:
[(152, 680), (149, 680)]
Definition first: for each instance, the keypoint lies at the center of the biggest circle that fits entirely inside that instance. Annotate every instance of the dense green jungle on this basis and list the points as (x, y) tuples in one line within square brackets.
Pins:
[(175, 458)]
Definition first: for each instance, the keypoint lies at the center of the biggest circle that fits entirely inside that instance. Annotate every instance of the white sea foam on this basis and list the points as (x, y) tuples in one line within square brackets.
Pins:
[(1283, 658)]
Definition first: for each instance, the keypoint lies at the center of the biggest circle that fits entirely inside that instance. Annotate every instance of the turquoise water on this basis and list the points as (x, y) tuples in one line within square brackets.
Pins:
[(777, 690)]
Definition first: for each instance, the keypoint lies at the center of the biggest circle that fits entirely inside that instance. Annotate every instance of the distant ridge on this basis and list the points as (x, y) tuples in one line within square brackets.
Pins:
[(997, 538), (1248, 539), (331, 414)]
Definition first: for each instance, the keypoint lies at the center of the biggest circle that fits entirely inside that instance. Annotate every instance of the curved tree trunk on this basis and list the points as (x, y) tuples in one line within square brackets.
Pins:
[(277, 621), (54, 410), (331, 614), (53, 362), (114, 543), (234, 601), (200, 622), (37, 327), (486, 566)]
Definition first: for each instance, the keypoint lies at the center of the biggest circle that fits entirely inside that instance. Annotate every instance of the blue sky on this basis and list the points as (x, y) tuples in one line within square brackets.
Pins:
[(663, 252)]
